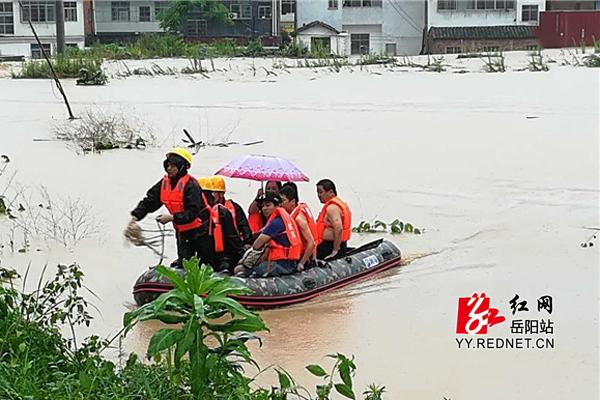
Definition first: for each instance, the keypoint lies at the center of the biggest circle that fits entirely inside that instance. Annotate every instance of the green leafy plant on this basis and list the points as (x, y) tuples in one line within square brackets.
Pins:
[(36, 362), (343, 369), (201, 316), (373, 58), (295, 49), (536, 62), (494, 62), (593, 60), (437, 65), (64, 67), (395, 227), (254, 49), (374, 392)]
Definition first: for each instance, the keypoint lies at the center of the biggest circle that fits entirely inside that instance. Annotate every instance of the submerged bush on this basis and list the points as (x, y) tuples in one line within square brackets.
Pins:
[(98, 130), (593, 60)]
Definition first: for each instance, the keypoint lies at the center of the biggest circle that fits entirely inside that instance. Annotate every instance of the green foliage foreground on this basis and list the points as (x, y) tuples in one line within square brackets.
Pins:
[(200, 357)]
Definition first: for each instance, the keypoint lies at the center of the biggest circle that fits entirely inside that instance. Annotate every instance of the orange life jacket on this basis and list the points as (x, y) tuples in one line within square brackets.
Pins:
[(229, 206), (215, 228), (303, 209), (346, 219), (279, 252), (173, 200), (255, 221)]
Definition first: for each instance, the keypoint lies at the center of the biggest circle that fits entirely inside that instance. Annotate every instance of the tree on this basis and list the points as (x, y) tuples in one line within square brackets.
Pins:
[(173, 18)]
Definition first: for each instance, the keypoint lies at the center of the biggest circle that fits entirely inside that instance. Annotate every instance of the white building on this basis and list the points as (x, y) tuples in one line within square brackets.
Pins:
[(393, 27), (462, 26), (464, 13), (125, 20), (16, 37), (118, 19)]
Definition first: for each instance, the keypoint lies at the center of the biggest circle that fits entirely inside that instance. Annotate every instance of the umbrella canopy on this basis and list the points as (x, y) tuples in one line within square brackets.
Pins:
[(263, 168)]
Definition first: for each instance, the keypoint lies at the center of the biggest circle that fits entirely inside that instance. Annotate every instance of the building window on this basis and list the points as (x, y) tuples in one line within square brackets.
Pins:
[(529, 13), (446, 4), (160, 7), (362, 3), (490, 5), (145, 15), (288, 7), (332, 4), (390, 49), (240, 11), (7, 22), (39, 11), (264, 12), (359, 43), (36, 51), (491, 49), (196, 27), (120, 11), (453, 50), (70, 8)]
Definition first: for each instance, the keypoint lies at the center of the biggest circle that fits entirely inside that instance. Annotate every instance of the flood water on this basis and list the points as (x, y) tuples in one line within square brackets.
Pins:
[(501, 171)]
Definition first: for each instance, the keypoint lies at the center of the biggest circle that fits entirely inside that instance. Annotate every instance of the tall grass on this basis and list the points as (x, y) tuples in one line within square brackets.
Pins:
[(64, 66)]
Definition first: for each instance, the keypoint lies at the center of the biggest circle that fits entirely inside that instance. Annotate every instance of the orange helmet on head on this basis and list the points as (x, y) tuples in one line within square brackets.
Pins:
[(217, 184), (205, 183)]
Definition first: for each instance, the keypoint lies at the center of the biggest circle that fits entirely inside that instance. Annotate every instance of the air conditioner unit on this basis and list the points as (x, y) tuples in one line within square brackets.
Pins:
[(233, 15)]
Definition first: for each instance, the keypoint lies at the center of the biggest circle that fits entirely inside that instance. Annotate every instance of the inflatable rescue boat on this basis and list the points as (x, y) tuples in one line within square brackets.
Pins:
[(357, 264)]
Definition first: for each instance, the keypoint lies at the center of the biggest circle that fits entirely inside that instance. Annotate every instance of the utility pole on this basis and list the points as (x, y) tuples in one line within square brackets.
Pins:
[(60, 27)]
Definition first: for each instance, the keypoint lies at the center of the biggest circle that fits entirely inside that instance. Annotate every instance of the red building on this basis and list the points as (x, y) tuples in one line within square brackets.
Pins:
[(568, 28)]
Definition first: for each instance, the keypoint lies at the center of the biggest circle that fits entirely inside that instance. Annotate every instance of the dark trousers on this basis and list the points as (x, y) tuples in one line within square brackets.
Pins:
[(195, 242), (325, 248)]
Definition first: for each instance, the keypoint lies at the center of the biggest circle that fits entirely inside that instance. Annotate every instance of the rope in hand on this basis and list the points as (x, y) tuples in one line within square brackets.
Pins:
[(155, 242)]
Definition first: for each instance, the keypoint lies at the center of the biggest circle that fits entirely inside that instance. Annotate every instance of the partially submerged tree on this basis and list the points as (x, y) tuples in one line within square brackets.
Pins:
[(174, 17)]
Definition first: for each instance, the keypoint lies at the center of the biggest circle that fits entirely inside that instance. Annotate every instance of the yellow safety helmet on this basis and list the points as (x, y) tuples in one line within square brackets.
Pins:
[(217, 183), (205, 183), (183, 153)]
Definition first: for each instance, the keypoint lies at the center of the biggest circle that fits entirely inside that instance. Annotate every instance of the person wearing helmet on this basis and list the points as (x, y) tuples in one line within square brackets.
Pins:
[(240, 221), (227, 245), (180, 193)]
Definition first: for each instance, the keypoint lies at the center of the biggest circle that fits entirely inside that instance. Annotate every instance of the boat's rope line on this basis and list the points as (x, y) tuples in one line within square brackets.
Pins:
[(156, 242)]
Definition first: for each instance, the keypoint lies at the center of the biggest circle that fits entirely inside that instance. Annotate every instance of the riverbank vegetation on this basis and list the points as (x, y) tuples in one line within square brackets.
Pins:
[(202, 354)]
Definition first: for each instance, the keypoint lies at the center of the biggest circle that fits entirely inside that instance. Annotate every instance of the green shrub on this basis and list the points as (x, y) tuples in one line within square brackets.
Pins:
[(160, 45), (64, 67), (369, 59), (254, 49), (36, 362), (224, 48), (294, 50)]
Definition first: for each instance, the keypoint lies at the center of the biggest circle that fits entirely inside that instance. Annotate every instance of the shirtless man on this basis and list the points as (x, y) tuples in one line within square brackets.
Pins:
[(334, 223)]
